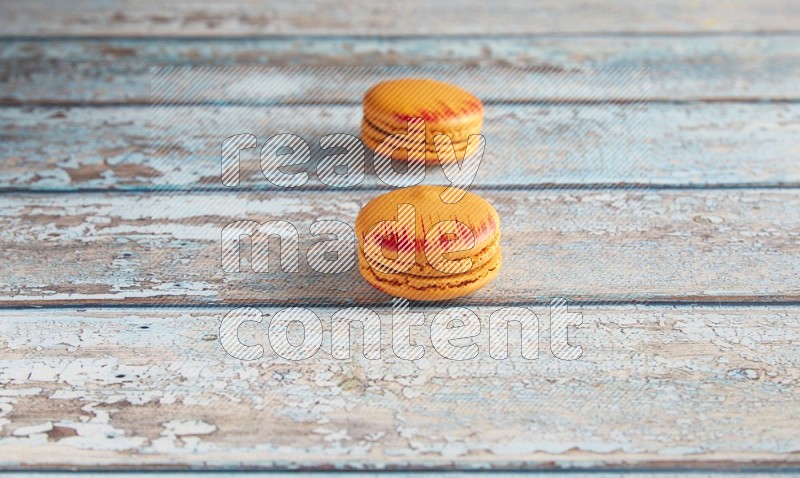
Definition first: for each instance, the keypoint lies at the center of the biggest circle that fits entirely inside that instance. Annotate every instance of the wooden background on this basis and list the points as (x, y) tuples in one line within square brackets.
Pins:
[(686, 267)]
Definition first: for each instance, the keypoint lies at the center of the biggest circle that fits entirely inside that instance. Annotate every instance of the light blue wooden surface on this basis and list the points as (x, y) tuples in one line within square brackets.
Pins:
[(184, 18), (644, 246), (683, 68), (98, 237), (662, 145), (676, 387)]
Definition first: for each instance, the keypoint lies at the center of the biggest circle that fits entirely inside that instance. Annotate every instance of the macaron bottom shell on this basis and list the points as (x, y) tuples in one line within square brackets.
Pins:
[(426, 270), (373, 137), (431, 288)]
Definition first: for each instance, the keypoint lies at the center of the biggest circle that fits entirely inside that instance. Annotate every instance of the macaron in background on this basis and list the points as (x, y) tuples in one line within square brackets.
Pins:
[(445, 109), (414, 245)]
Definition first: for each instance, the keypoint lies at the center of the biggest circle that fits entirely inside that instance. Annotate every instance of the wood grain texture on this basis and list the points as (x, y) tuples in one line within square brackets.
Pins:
[(413, 17), (738, 245), (123, 368), (681, 68), (656, 387), (131, 148)]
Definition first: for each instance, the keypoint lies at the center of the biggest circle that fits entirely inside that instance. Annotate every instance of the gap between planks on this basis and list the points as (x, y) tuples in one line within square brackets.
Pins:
[(56, 104)]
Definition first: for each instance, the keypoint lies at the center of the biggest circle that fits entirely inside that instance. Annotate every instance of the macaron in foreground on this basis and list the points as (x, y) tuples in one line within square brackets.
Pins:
[(414, 245)]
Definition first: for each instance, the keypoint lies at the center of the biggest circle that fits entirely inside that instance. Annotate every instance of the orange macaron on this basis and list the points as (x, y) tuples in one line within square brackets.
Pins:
[(445, 109), (412, 244)]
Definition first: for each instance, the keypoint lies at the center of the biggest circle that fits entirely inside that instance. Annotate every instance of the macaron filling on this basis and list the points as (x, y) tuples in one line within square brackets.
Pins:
[(422, 282), (412, 244), (445, 108), (377, 135)]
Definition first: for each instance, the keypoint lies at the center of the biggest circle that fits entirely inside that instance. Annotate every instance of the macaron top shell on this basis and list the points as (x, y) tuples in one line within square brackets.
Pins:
[(443, 106), (472, 212)]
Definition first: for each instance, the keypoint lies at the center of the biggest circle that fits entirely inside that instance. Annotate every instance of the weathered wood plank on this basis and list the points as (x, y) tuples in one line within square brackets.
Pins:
[(657, 144), (610, 245), (656, 387), (414, 17), (680, 68)]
